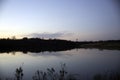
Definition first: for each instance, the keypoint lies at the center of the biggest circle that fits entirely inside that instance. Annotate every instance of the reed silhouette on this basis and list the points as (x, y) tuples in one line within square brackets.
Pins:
[(19, 74), (50, 74), (62, 74)]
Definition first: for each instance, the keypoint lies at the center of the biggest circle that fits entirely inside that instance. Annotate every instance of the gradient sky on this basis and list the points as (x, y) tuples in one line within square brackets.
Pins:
[(64, 19)]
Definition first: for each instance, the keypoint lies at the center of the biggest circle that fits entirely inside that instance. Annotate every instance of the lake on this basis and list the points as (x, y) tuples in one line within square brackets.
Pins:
[(83, 63)]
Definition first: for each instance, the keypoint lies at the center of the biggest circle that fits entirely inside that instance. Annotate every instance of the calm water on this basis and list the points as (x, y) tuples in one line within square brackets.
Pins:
[(83, 62)]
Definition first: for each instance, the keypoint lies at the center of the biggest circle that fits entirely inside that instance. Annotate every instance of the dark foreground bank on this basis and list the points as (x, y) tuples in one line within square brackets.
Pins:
[(39, 45), (36, 45)]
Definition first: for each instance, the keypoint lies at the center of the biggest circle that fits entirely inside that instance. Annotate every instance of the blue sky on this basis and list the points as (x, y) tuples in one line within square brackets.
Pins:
[(64, 19)]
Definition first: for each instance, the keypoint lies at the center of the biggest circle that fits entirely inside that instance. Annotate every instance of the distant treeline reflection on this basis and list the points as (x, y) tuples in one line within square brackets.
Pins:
[(36, 45), (39, 45)]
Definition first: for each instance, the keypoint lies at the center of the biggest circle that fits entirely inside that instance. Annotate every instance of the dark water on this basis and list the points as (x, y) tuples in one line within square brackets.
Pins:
[(84, 62)]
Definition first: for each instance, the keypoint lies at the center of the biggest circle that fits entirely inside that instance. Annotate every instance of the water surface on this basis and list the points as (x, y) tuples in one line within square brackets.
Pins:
[(84, 62)]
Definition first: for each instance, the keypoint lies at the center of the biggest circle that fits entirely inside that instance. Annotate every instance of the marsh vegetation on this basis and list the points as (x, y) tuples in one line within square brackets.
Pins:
[(62, 74)]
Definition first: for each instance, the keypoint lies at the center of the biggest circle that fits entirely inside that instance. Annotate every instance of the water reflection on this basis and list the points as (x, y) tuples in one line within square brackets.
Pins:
[(87, 63)]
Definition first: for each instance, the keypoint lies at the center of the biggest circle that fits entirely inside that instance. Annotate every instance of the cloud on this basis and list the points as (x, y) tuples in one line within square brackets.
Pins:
[(50, 35)]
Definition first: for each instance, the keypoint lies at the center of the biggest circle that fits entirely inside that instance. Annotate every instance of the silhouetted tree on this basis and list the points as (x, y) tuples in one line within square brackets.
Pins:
[(25, 38)]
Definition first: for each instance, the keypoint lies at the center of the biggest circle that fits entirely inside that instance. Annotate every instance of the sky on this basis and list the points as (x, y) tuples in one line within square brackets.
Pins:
[(62, 19)]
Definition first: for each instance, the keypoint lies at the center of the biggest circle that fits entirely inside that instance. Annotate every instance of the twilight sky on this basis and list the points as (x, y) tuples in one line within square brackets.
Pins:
[(63, 19)]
